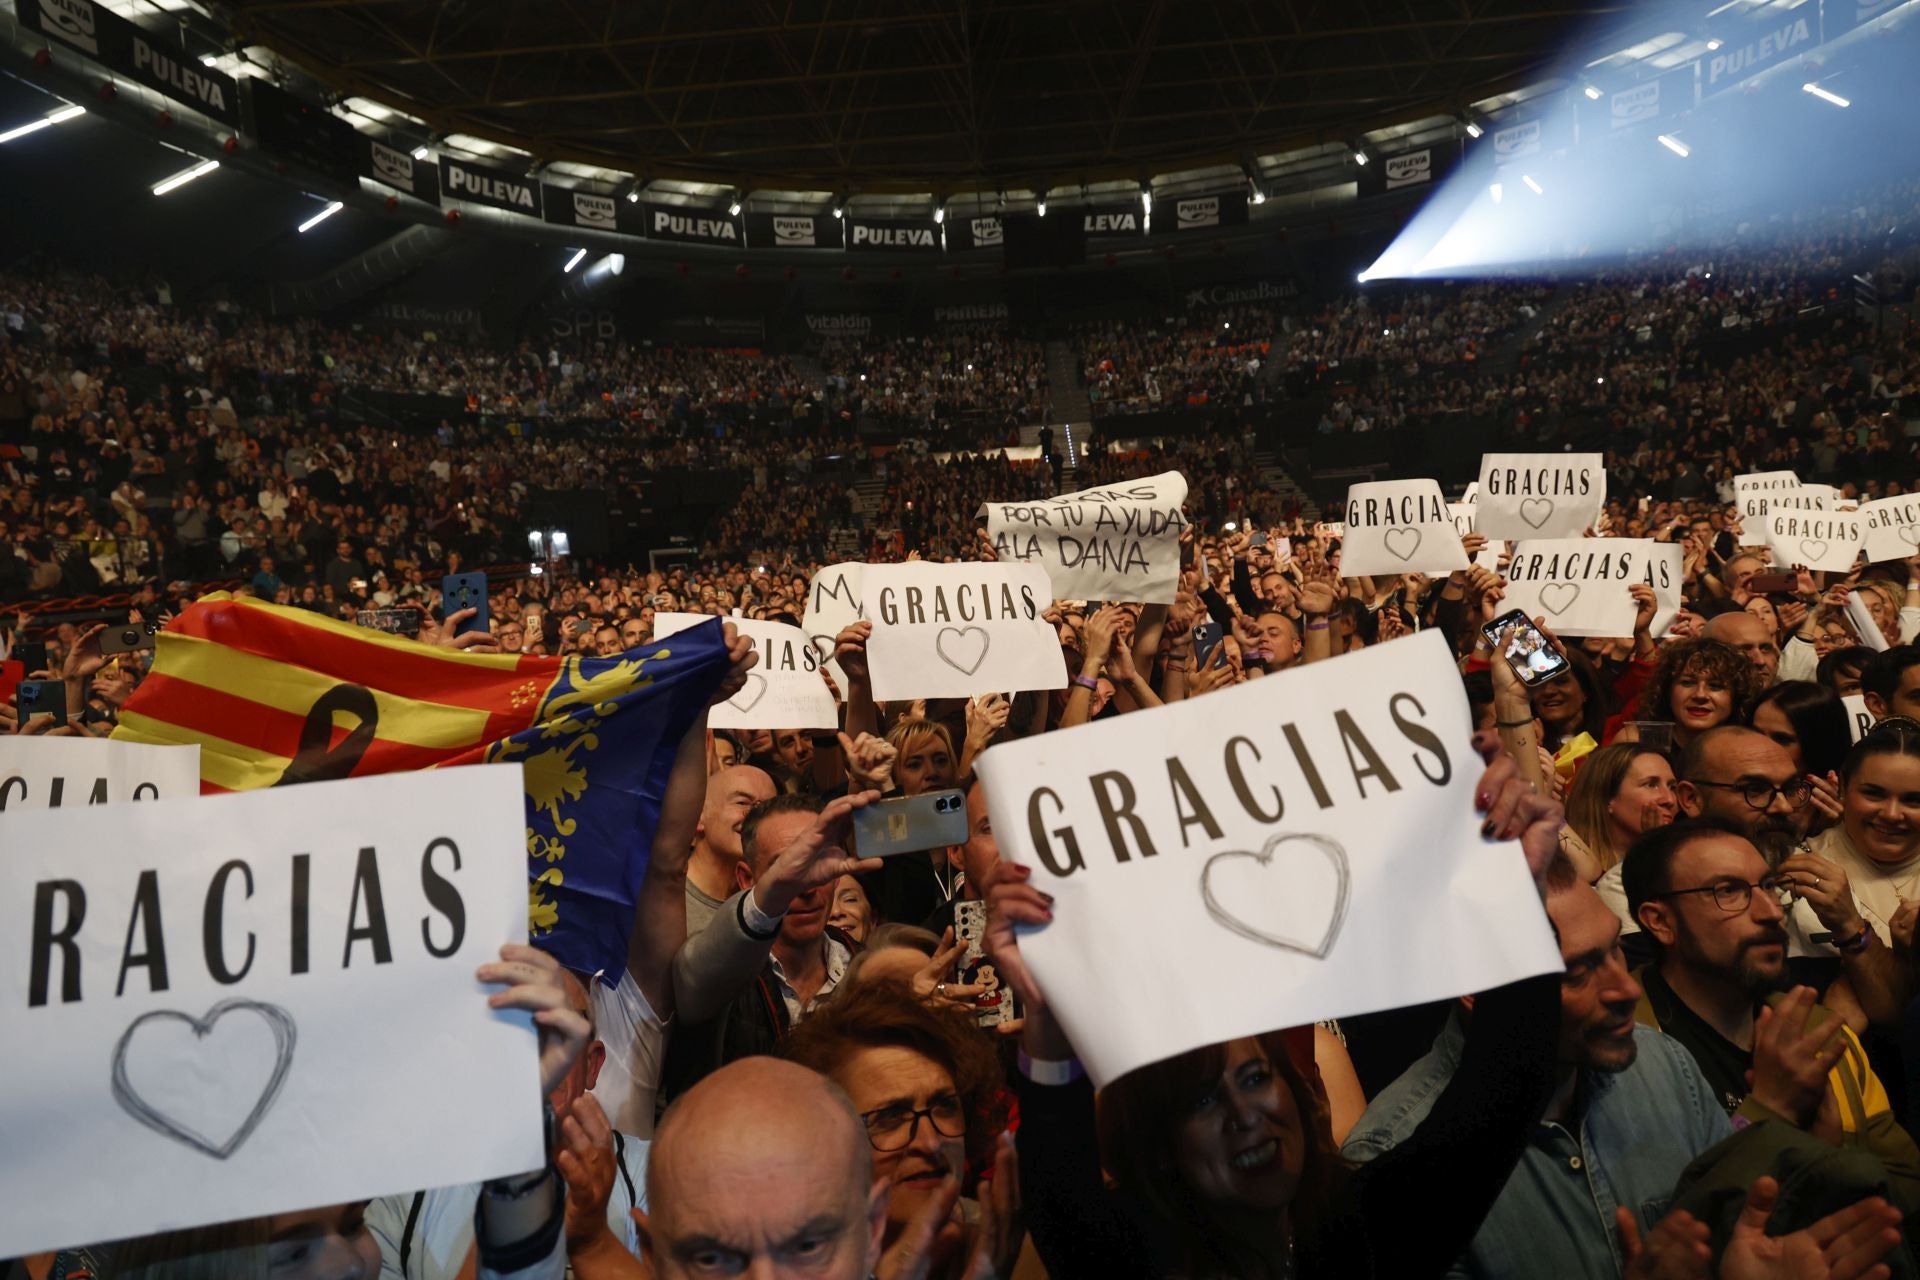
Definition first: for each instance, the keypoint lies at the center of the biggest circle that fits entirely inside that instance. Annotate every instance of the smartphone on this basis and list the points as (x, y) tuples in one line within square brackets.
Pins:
[(970, 927), (32, 654), (399, 622), (49, 698), (1762, 584), (135, 635), (1206, 644), (1525, 647), (1257, 541), (466, 591), (910, 823)]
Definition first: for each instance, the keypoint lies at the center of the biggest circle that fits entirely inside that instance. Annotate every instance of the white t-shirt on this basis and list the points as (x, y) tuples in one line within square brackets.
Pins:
[(442, 1235), (636, 1041), (1878, 888)]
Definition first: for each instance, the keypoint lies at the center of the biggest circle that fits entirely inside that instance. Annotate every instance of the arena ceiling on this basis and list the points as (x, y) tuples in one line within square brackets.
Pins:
[(916, 95)]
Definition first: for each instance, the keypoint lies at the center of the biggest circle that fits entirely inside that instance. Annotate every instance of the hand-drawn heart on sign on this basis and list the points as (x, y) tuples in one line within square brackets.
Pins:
[(953, 644), (750, 693), (1556, 596), (193, 1084), (1536, 511), (1813, 549), (1290, 897), (1402, 543)]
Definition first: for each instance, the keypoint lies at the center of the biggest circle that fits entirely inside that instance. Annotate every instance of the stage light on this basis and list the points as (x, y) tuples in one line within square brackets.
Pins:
[(574, 261), (1259, 196), (333, 207), (185, 176), (1473, 129), (839, 206), (1497, 192), (1146, 197), (616, 262), (1040, 205), (1360, 156), (60, 116), (733, 208), (939, 212), (1532, 185), (1825, 95), (420, 152), (633, 195), (1676, 146), (1713, 44), (1592, 92), (207, 59)]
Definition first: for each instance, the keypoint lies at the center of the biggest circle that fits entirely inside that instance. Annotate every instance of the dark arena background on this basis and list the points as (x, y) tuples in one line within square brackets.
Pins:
[(740, 435)]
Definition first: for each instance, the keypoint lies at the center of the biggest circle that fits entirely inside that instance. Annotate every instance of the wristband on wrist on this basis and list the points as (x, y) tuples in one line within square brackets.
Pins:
[(1319, 623), (1087, 682), (1855, 945), (1514, 724), (1050, 1071)]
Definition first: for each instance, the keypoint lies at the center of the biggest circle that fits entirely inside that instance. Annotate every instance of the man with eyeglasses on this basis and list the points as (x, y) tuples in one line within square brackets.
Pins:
[(1706, 897), (1742, 777)]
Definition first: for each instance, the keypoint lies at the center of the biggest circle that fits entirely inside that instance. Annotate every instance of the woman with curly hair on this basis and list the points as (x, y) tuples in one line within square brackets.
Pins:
[(1698, 684), (926, 1082)]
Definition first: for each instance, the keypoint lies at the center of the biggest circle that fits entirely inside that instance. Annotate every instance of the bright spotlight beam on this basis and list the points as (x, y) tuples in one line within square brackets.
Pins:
[(185, 176), (1676, 146), (61, 116), (333, 207), (1825, 95)]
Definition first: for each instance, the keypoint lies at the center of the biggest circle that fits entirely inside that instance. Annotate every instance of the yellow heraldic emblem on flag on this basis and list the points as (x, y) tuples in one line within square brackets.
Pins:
[(276, 696)]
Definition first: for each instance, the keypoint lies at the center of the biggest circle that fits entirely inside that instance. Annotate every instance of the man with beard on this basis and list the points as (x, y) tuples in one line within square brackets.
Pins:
[(1743, 777), (1706, 897), (1629, 1111)]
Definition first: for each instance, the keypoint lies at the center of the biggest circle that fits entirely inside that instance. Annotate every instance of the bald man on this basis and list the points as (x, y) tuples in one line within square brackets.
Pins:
[(763, 1169), (716, 845), (1752, 637)]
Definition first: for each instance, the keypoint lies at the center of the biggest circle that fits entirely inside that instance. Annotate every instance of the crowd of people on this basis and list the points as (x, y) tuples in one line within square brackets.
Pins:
[(819, 1063), (977, 374)]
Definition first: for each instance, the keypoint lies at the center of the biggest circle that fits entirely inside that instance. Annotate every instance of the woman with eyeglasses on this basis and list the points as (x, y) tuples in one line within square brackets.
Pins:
[(926, 1082)]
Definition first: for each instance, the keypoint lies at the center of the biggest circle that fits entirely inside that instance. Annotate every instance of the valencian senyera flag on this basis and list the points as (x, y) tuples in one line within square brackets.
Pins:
[(276, 695)]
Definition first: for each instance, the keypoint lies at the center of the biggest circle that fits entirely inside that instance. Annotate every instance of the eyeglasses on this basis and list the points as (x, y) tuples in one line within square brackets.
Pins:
[(1759, 794), (891, 1128), (1734, 896)]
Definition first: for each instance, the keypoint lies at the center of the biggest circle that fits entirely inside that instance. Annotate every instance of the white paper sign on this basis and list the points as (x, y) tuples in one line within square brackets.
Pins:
[(1281, 834), (1750, 492), (54, 773), (1808, 497), (1116, 542), (1399, 526), (1463, 515), (1893, 527), (1818, 540), (1861, 619), (783, 690), (833, 605), (1579, 585), (1663, 568), (259, 1003), (1859, 719), (954, 630), (1540, 495)]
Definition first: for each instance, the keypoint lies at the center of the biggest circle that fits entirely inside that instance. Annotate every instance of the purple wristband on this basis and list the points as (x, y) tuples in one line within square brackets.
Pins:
[(1087, 682)]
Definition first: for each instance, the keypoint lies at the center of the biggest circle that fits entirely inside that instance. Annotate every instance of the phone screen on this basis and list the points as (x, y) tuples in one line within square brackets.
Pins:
[(1525, 648)]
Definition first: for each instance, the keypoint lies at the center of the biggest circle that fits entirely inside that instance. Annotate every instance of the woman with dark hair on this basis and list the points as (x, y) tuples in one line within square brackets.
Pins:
[(1220, 1160), (1697, 684), (1572, 703), (926, 1082), (1810, 721)]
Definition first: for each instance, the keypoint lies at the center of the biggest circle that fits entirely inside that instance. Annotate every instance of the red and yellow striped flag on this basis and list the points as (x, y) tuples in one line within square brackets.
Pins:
[(274, 695)]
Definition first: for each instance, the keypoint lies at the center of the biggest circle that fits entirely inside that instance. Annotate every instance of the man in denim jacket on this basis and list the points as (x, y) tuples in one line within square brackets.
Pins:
[(1631, 1109)]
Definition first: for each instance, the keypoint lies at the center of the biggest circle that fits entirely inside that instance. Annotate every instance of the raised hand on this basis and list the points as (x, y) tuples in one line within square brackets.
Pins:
[(818, 856), (1846, 1245), (930, 980), (532, 981), (1678, 1248), (1515, 812), (850, 649), (587, 1162), (1791, 1058), (471, 641), (987, 716), (740, 659), (869, 761)]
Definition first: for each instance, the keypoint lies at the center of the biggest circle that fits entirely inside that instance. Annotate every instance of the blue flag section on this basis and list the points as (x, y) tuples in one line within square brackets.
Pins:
[(597, 760)]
